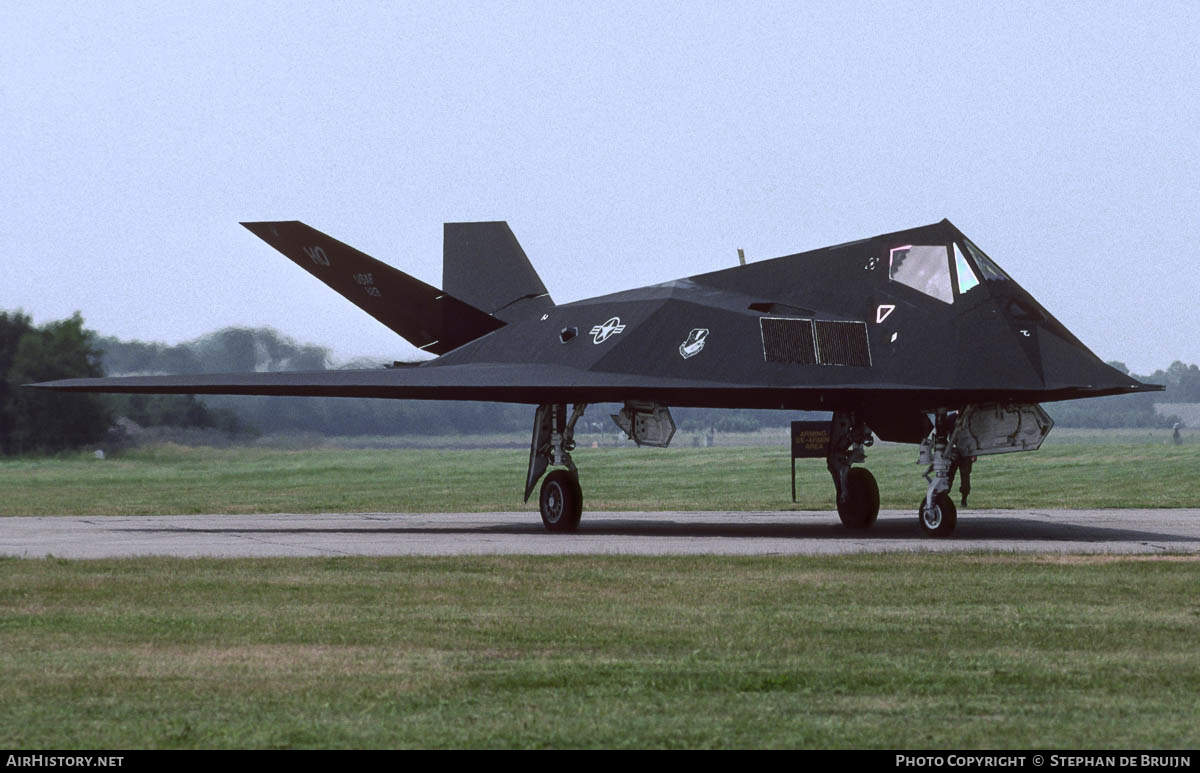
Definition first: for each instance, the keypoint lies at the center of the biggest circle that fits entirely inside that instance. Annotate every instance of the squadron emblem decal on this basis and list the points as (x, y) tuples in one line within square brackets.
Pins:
[(694, 344), (601, 333)]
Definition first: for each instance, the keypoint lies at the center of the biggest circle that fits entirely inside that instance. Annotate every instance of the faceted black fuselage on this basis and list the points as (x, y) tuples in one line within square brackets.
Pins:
[(891, 326)]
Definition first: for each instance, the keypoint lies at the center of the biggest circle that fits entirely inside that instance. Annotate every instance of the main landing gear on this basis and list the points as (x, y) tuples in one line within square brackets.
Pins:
[(955, 439), (857, 491), (561, 501), (561, 498)]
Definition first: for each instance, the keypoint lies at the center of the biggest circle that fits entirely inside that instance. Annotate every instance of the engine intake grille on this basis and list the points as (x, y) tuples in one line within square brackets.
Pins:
[(842, 343), (788, 340), (814, 342)]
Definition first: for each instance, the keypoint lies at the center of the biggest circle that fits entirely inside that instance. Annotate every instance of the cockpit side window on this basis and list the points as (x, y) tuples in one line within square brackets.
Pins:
[(986, 267), (923, 267), (966, 275)]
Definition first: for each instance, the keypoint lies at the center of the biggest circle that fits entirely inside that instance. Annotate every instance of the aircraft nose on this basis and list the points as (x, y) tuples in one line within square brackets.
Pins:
[(1070, 364), (1059, 359)]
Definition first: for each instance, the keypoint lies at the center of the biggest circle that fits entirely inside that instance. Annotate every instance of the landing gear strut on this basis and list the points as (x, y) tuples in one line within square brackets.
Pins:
[(561, 498), (937, 514), (857, 491)]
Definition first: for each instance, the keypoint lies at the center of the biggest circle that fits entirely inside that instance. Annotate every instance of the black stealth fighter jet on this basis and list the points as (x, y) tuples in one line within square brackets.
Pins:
[(885, 333)]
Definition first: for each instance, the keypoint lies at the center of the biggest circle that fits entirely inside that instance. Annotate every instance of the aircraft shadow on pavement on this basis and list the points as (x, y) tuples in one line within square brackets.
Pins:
[(984, 528)]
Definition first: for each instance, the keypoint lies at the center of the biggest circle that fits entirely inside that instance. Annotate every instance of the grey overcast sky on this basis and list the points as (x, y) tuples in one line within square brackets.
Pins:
[(626, 144)]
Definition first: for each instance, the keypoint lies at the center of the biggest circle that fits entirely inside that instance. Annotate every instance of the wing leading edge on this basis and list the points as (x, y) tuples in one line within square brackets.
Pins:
[(535, 383)]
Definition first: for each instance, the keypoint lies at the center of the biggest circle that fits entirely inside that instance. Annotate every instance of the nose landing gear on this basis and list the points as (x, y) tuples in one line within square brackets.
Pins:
[(937, 514), (939, 518)]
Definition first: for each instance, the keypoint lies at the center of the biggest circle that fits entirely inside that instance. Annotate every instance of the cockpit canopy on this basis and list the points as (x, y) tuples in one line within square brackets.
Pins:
[(930, 269)]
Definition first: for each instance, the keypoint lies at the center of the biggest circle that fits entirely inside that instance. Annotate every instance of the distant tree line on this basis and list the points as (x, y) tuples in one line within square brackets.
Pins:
[(232, 350), (35, 421), (1137, 410), (265, 350)]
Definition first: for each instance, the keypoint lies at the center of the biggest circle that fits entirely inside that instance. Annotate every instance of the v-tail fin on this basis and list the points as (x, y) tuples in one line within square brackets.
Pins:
[(431, 319), (484, 265)]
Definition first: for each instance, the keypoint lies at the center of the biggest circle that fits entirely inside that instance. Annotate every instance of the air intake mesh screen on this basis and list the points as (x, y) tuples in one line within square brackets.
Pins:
[(842, 343), (808, 342), (788, 340)]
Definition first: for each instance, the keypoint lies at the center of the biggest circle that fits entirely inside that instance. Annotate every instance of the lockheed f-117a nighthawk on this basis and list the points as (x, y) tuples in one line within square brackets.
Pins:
[(915, 336)]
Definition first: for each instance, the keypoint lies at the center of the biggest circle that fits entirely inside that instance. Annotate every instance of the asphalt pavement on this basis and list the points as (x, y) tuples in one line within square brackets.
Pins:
[(631, 533)]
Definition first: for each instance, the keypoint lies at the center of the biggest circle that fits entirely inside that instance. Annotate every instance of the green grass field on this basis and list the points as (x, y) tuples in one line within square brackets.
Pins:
[(168, 479), (891, 651), (860, 651)]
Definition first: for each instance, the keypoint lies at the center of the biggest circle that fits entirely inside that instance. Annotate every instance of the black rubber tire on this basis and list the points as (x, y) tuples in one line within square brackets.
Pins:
[(561, 501), (861, 507), (942, 518)]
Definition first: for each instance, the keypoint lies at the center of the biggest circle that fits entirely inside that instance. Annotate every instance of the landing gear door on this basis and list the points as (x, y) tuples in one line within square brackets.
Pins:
[(995, 428), (538, 457), (647, 424)]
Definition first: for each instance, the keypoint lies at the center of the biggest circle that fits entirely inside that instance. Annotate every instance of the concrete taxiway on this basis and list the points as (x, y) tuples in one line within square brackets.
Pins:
[(631, 533)]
